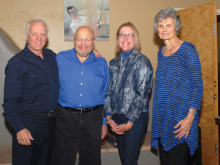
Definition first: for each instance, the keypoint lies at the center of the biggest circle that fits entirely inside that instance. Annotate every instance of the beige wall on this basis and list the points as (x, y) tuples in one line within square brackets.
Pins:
[(15, 13)]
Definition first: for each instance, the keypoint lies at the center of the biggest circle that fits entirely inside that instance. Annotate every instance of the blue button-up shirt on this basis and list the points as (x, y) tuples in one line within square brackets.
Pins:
[(31, 84), (82, 85)]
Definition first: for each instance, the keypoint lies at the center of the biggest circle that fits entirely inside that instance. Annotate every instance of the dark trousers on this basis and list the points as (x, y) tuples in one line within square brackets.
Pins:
[(179, 155), (39, 152), (129, 144), (78, 132)]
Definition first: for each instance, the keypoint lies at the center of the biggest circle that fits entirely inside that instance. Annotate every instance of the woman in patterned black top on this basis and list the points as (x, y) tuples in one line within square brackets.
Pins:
[(178, 93)]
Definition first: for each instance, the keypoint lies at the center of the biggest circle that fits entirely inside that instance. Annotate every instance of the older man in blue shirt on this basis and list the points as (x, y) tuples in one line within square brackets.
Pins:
[(83, 82)]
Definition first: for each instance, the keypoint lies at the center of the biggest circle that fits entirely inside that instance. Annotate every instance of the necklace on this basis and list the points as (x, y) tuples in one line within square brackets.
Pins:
[(166, 50)]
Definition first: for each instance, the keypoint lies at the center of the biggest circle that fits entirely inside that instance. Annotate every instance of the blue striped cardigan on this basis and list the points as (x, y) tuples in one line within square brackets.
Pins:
[(178, 87)]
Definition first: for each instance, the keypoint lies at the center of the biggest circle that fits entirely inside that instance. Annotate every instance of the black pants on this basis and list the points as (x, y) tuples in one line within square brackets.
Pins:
[(179, 155), (39, 152), (78, 132)]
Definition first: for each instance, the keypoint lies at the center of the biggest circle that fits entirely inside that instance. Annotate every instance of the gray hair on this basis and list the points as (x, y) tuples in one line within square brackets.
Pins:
[(33, 21), (164, 14)]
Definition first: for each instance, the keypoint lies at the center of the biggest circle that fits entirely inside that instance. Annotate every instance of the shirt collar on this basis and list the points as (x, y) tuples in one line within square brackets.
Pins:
[(30, 54), (132, 55), (126, 54)]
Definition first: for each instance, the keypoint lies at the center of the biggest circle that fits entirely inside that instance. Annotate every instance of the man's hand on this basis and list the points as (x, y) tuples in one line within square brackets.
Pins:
[(24, 137), (104, 131), (96, 52)]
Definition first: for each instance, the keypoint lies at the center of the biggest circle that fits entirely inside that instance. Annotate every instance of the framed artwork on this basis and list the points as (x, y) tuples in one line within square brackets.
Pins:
[(93, 13)]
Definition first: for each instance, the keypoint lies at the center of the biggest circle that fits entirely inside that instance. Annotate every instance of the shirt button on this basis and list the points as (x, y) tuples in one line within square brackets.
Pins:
[(81, 72), (81, 83), (80, 105), (80, 94)]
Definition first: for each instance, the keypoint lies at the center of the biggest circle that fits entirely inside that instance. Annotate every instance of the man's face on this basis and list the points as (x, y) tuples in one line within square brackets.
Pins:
[(84, 41), (73, 12), (36, 37)]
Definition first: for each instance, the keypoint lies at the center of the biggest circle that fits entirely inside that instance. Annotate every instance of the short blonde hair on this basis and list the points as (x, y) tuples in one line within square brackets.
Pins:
[(136, 36)]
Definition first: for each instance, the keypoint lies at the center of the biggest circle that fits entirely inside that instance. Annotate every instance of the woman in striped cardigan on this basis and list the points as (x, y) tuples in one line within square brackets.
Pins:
[(177, 94)]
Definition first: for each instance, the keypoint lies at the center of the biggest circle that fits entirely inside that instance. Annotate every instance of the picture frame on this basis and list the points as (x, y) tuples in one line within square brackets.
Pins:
[(93, 13)]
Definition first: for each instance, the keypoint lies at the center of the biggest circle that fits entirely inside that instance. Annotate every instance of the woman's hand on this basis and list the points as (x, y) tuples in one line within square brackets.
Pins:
[(185, 126), (124, 127), (114, 126)]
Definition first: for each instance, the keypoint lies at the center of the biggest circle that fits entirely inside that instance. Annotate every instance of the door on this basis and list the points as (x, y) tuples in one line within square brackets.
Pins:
[(197, 27)]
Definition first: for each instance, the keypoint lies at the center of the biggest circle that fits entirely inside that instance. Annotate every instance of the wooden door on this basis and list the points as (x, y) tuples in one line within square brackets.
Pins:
[(198, 24)]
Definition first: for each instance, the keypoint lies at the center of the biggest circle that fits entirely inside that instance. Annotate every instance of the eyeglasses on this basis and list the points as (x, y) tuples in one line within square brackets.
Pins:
[(84, 39), (129, 36)]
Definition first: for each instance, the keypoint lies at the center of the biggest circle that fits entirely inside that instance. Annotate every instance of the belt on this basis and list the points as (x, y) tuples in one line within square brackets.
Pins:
[(81, 110), (39, 114)]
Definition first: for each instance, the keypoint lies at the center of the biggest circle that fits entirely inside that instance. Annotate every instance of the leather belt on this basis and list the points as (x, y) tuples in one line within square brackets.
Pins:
[(81, 110), (39, 114)]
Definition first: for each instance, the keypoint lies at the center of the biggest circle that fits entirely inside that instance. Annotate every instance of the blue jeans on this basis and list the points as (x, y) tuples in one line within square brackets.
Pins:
[(129, 144)]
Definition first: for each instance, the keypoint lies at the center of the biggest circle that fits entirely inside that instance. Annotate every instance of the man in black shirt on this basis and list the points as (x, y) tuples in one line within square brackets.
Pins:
[(30, 97)]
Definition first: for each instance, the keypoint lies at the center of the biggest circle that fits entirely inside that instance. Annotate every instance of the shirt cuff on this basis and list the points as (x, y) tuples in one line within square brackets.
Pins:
[(131, 121), (104, 121), (108, 114), (17, 125)]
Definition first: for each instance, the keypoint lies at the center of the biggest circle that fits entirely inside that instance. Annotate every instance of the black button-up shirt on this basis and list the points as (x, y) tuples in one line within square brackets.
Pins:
[(31, 84)]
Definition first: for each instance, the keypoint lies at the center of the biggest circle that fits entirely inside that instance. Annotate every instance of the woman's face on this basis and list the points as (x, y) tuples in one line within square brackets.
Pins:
[(126, 39), (166, 29)]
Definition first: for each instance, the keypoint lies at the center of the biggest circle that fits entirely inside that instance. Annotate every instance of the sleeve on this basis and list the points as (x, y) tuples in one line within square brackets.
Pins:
[(155, 121), (195, 76), (107, 78), (12, 95), (106, 87), (107, 104), (143, 84), (104, 121)]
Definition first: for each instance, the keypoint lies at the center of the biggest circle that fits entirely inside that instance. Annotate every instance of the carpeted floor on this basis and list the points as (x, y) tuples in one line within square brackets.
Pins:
[(5, 155), (5, 151)]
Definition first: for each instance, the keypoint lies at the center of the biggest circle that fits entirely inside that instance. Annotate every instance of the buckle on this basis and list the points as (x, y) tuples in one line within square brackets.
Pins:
[(52, 114)]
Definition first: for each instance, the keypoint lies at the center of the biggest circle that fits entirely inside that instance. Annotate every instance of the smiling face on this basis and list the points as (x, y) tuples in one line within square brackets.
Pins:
[(166, 29), (36, 37), (125, 42), (84, 41)]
